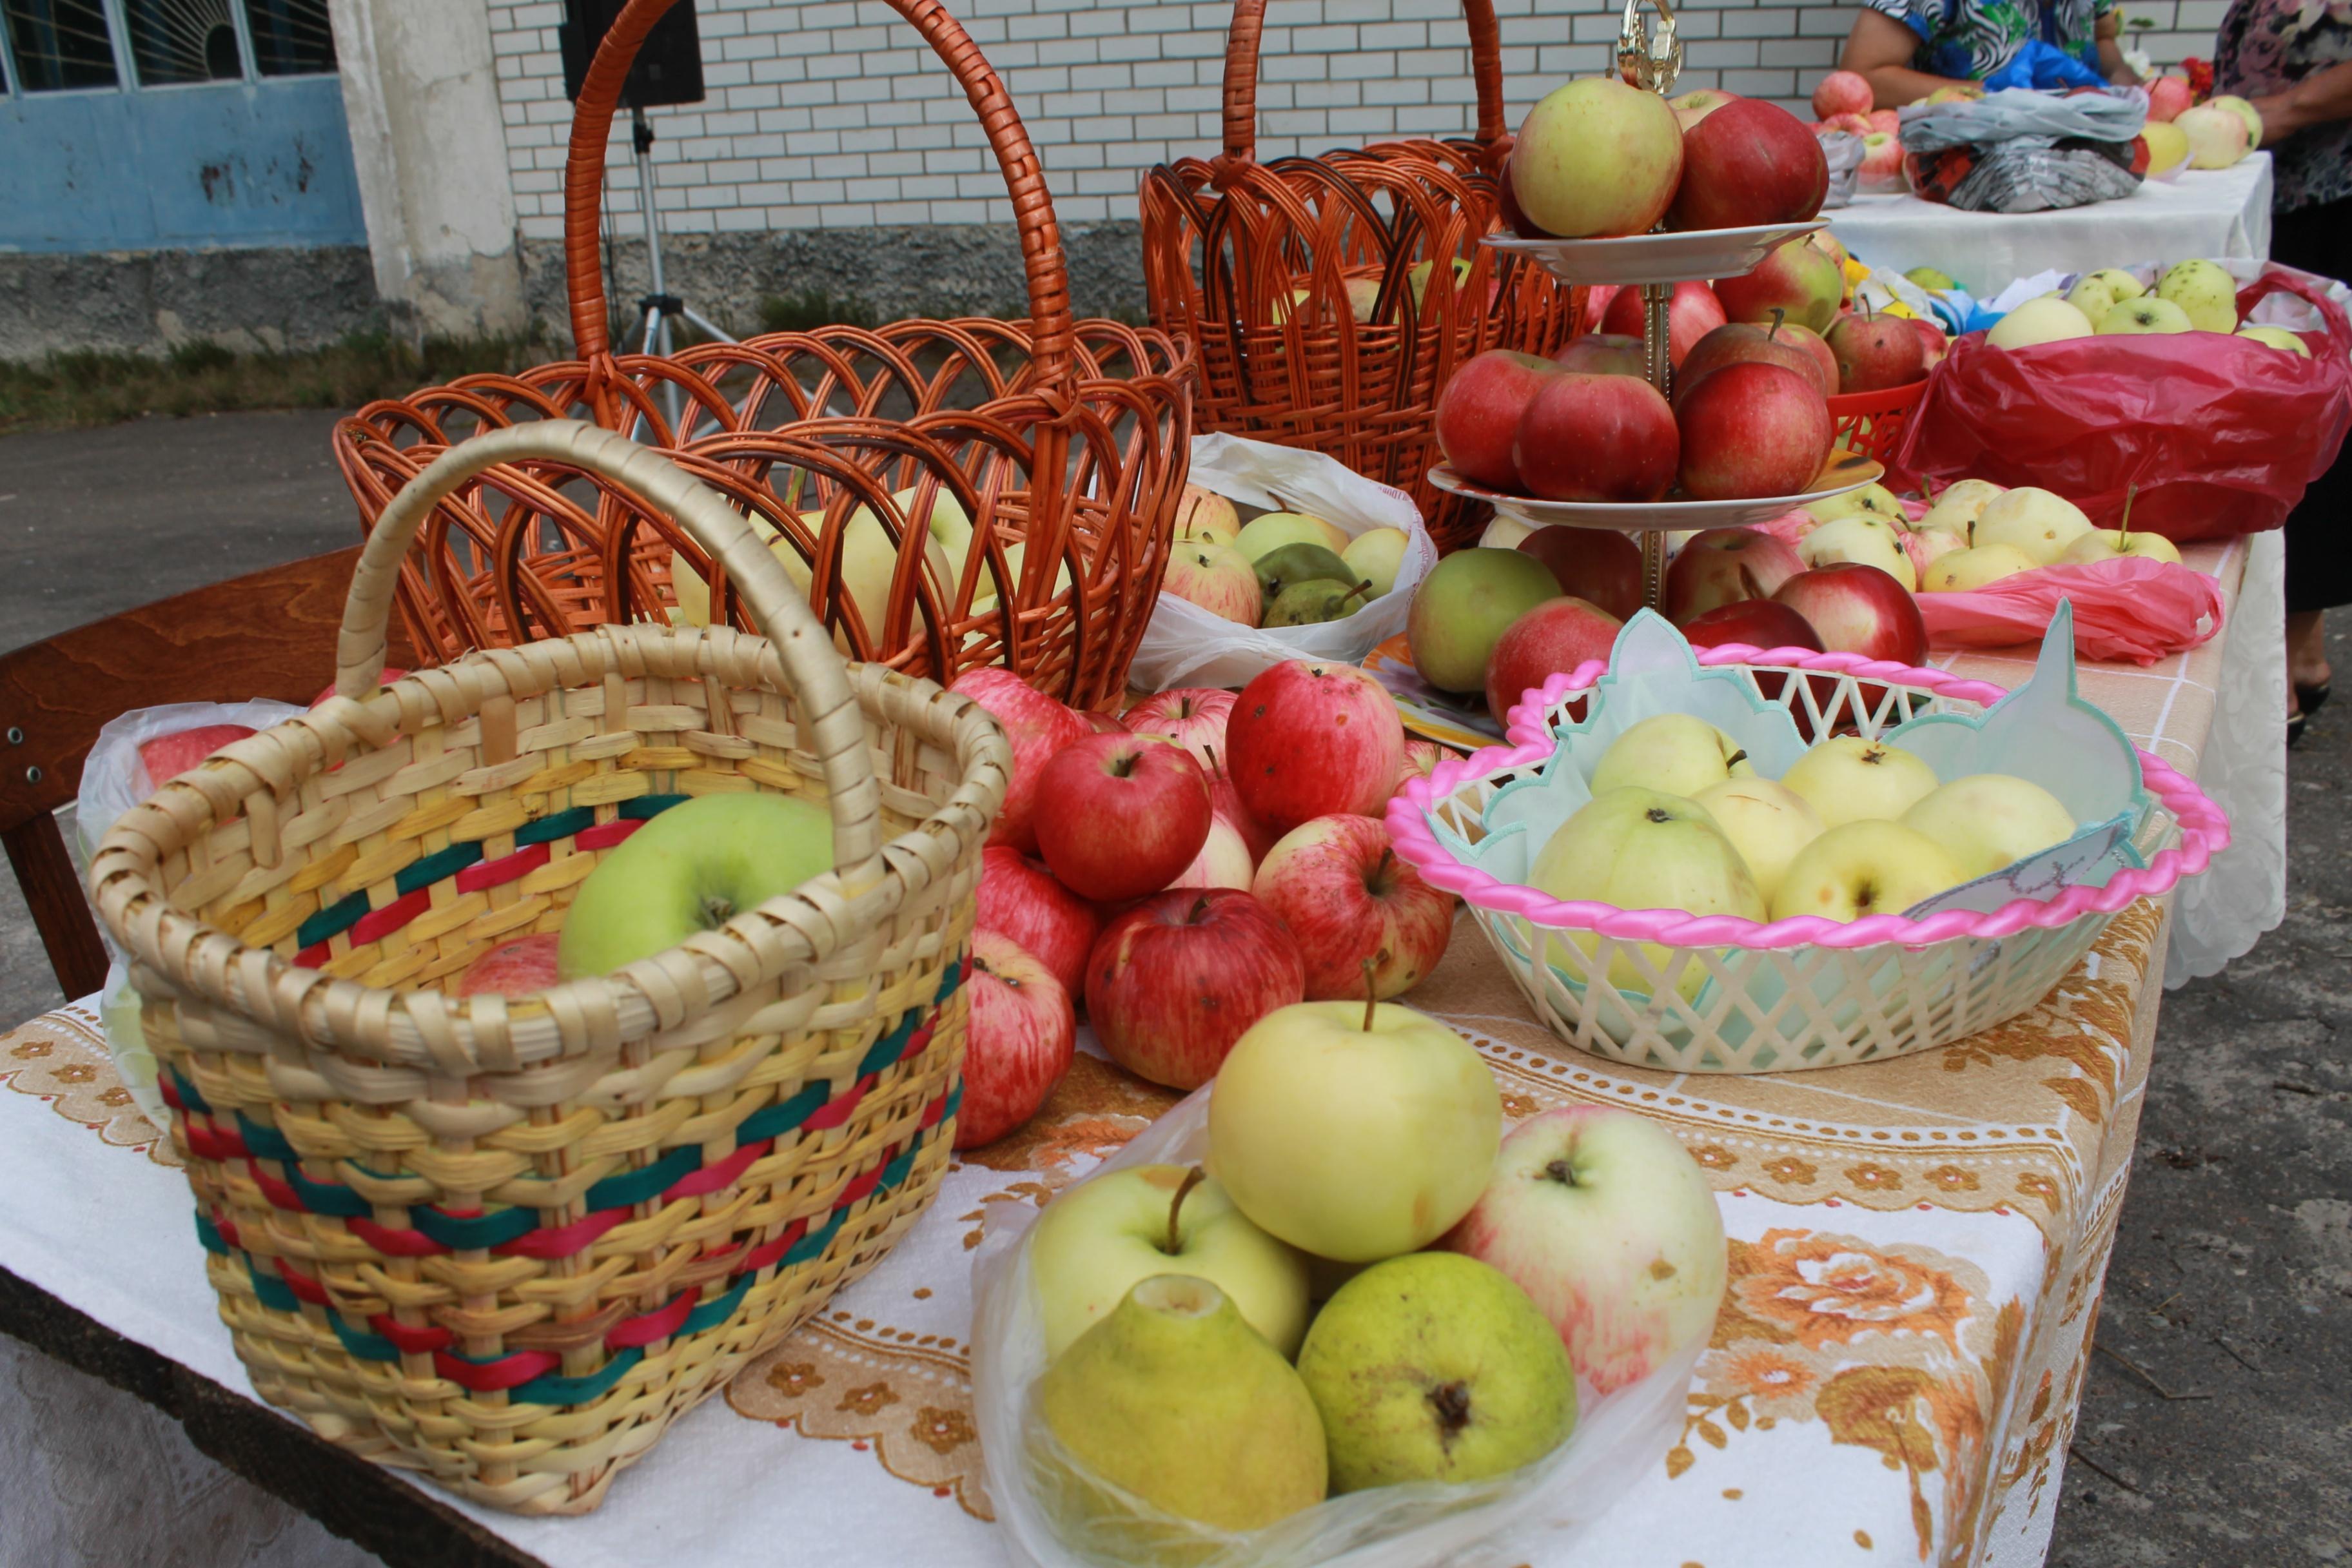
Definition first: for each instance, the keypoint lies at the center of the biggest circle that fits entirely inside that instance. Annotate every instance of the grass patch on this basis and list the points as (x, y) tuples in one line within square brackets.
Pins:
[(88, 387)]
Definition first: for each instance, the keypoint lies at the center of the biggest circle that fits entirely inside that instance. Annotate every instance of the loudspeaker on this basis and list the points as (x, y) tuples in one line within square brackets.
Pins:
[(668, 69)]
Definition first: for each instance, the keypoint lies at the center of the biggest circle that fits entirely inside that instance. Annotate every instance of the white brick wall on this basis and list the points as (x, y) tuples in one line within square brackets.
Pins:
[(836, 115)]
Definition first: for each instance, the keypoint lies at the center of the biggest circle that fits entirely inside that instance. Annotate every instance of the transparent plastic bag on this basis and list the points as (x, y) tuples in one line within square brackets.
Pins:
[(1188, 646), (1033, 1481)]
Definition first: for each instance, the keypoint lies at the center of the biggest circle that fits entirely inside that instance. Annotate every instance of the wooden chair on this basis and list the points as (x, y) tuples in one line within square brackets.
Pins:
[(270, 634)]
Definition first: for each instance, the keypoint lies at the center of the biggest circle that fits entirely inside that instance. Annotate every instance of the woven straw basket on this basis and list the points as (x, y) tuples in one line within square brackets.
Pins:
[(507, 1241), (1254, 263), (1794, 994), (1063, 444)]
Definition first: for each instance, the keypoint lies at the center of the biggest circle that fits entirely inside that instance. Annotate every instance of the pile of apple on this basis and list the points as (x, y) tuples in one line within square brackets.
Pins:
[(1281, 568), (1844, 101), (2209, 135), (2192, 296), (1467, 1282)]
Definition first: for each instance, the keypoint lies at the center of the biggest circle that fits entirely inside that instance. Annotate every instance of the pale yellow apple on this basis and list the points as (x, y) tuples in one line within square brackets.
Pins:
[(2111, 543), (1848, 779), (1417, 278), (2205, 291), (2120, 284), (1766, 822), (1865, 867), (1374, 556), (2047, 320), (2217, 138), (1987, 821), (2248, 115), (2277, 338), (2143, 315), (1860, 537), (2091, 297), (1966, 498), (1204, 513), (2167, 147), (1261, 536), (1876, 500), (1929, 545), (1675, 753), (1964, 571), (1642, 849), (2034, 521), (1503, 534)]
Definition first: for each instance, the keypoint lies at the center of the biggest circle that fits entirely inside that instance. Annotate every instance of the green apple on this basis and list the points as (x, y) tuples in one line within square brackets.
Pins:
[(1932, 280), (1987, 821), (1099, 1240), (1860, 537), (2205, 291), (691, 868), (1964, 571), (1675, 753), (1642, 849), (1848, 779), (1766, 821), (2094, 298), (2277, 338), (2036, 522), (1865, 867), (2135, 317), (1375, 555), (1173, 1400), (1262, 535), (2120, 285), (1435, 1367), (1353, 1131), (2047, 320), (1465, 604)]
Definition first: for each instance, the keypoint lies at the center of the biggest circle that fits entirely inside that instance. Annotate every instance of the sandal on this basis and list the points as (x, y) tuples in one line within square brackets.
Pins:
[(2311, 698)]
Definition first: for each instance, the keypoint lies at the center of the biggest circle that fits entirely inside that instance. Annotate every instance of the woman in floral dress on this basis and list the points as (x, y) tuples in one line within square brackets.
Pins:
[(2293, 59), (1908, 48)]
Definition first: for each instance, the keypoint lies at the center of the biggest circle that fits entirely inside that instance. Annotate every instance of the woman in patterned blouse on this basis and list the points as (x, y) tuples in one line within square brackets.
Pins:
[(1908, 48), (2293, 59)]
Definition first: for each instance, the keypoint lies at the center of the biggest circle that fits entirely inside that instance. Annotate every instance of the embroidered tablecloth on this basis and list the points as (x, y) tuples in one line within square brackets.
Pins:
[(1916, 1253)]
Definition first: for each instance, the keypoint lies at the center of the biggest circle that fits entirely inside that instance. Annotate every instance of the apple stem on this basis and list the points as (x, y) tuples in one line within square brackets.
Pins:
[(1192, 1178), (1199, 908), (1734, 760), (2123, 523), (1563, 1173), (1371, 992), (1780, 313)]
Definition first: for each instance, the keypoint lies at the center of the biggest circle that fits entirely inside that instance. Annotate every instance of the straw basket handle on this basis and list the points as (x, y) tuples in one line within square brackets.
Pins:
[(830, 724), (1241, 75), (1032, 208)]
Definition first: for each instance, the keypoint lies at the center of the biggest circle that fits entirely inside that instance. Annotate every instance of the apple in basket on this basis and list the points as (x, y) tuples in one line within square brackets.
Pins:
[(1642, 849), (1020, 900), (1719, 566), (1598, 565), (1216, 577), (1865, 867), (1847, 778), (167, 757), (516, 968), (1600, 1214), (1018, 1041), (1478, 413), (1037, 726), (1874, 352), (1858, 608), (1557, 634), (1336, 883), (1175, 981), (691, 868), (1119, 815), (1307, 739), (1750, 430), (1192, 717)]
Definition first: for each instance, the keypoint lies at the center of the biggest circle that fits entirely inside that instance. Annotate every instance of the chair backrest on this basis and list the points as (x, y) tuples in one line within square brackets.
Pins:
[(270, 634)]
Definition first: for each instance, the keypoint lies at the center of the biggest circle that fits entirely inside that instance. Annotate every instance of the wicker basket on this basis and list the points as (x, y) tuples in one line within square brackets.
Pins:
[(1067, 441), (1253, 264), (1871, 423), (505, 1242)]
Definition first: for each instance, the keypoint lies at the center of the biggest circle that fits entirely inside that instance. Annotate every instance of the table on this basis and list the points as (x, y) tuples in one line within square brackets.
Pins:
[(2210, 213), (1917, 1251)]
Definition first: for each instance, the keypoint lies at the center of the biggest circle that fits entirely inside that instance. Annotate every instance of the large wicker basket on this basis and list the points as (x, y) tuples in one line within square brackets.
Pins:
[(1254, 262), (1064, 444), (507, 1241)]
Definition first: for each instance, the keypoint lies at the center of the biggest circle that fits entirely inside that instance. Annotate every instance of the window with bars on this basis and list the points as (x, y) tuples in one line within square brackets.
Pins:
[(58, 45)]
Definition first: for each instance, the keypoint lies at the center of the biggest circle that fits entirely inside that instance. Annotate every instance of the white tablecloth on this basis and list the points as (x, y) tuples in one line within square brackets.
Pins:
[(2215, 214)]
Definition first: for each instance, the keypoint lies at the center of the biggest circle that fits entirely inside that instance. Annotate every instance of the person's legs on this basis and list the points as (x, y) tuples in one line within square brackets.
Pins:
[(2318, 559)]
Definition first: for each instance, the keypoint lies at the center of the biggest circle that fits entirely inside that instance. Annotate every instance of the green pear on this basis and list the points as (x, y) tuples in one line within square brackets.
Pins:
[(1177, 1401), (1317, 600), (1434, 1366), (1278, 569)]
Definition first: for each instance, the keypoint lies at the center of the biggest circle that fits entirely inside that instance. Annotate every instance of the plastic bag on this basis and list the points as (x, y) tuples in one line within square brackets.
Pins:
[(2021, 151), (1843, 151), (2128, 610), (1539, 1510), (1188, 646), (2220, 434), (2006, 115)]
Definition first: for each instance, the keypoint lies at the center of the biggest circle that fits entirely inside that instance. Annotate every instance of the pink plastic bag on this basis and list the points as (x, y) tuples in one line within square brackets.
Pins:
[(2219, 433), (2130, 608)]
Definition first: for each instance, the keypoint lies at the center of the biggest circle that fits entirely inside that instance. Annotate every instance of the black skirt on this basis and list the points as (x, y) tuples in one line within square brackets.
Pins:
[(2318, 551)]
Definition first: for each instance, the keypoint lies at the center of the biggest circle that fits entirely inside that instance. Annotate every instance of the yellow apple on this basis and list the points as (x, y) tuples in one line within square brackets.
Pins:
[(1987, 821), (1865, 867), (2205, 291), (2091, 297), (2047, 320), (1203, 512), (1848, 779), (2217, 138), (1503, 534), (1674, 753), (2277, 338), (1876, 500), (1644, 850), (1374, 556), (2167, 147), (1860, 537), (1964, 571), (1958, 504), (2136, 317), (2120, 284), (2033, 521), (1766, 822), (2111, 544), (1261, 536)]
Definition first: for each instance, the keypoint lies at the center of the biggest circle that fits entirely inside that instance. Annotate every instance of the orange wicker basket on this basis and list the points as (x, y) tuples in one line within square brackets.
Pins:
[(948, 493), (1329, 298)]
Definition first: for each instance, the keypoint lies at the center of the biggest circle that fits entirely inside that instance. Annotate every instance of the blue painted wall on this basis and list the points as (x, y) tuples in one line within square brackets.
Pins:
[(224, 164)]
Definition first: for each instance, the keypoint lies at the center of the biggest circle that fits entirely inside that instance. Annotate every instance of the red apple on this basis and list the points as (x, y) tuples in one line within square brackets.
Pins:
[(1691, 313), (1017, 1044), (1120, 815), (1852, 124), (1725, 565), (1882, 159), (1844, 92), (1038, 727), (1739, 343), (1759, 622), (1226, 802), (1338, 884), (1855, 608), (1309, 740), (1103, 723), (1478, 413), (1192, 715), (1224, 861), (1421, 757), (1887, 120), (1753, 430), (1748, 163), (518, 968), (1020, 899), (2168, 96), (1800, 280), (167, 757), (1597, 438), (1875, 352), (1596, 563), (1175, 981), (1933, 345), (1557, 634), (1603, 354)]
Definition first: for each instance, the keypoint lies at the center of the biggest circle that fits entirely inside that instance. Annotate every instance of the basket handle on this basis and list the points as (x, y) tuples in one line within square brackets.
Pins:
[(1033, 207), (1241, 75), (831, 725)]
